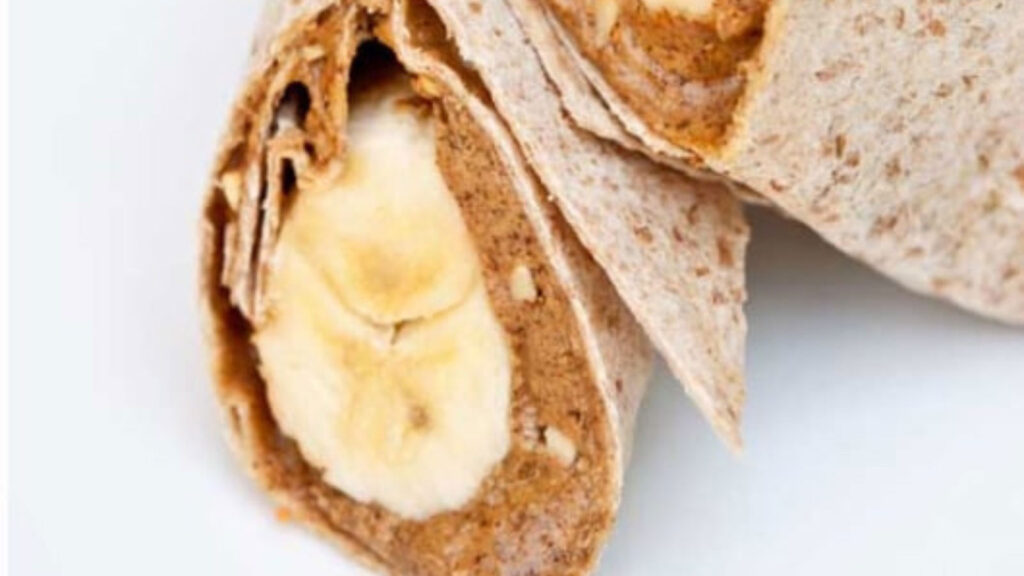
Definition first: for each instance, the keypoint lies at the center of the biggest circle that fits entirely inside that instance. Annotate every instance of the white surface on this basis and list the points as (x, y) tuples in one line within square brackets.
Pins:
[(5, 170), (885, 432)]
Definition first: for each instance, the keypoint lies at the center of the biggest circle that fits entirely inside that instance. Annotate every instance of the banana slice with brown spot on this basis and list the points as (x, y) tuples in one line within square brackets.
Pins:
[(382, 355)]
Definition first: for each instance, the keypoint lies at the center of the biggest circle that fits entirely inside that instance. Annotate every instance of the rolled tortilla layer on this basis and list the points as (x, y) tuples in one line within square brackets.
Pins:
[(673, 246), (510, 462), (890, 128)]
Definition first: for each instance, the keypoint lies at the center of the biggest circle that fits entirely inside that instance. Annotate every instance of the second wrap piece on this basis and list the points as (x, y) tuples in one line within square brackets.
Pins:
[(892, 128)]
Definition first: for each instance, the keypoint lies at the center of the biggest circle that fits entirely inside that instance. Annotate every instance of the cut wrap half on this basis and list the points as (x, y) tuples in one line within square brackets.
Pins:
[(414, 353), (894, 129)]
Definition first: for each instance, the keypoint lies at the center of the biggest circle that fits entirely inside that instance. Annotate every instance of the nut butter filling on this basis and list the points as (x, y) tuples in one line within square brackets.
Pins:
[(419, 388), (677, 63)]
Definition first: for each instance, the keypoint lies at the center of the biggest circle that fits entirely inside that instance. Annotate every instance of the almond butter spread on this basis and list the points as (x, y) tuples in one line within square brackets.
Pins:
[(676, 63)]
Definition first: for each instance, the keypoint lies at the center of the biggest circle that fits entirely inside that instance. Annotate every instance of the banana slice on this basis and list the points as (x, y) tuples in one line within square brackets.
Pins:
[(607, 12), (383, 358), (695, 9), (389, 235)]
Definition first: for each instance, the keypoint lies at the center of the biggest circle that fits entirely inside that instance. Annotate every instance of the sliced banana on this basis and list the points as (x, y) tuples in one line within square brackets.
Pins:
[(394, 244), (383, 358), (607, 12), (693, 9)]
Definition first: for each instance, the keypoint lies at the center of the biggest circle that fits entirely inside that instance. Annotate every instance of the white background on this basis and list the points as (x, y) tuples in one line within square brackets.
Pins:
[(885, 431)]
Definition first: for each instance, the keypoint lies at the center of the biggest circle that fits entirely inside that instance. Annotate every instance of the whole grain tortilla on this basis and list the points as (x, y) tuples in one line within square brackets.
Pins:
[(917, 169)]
